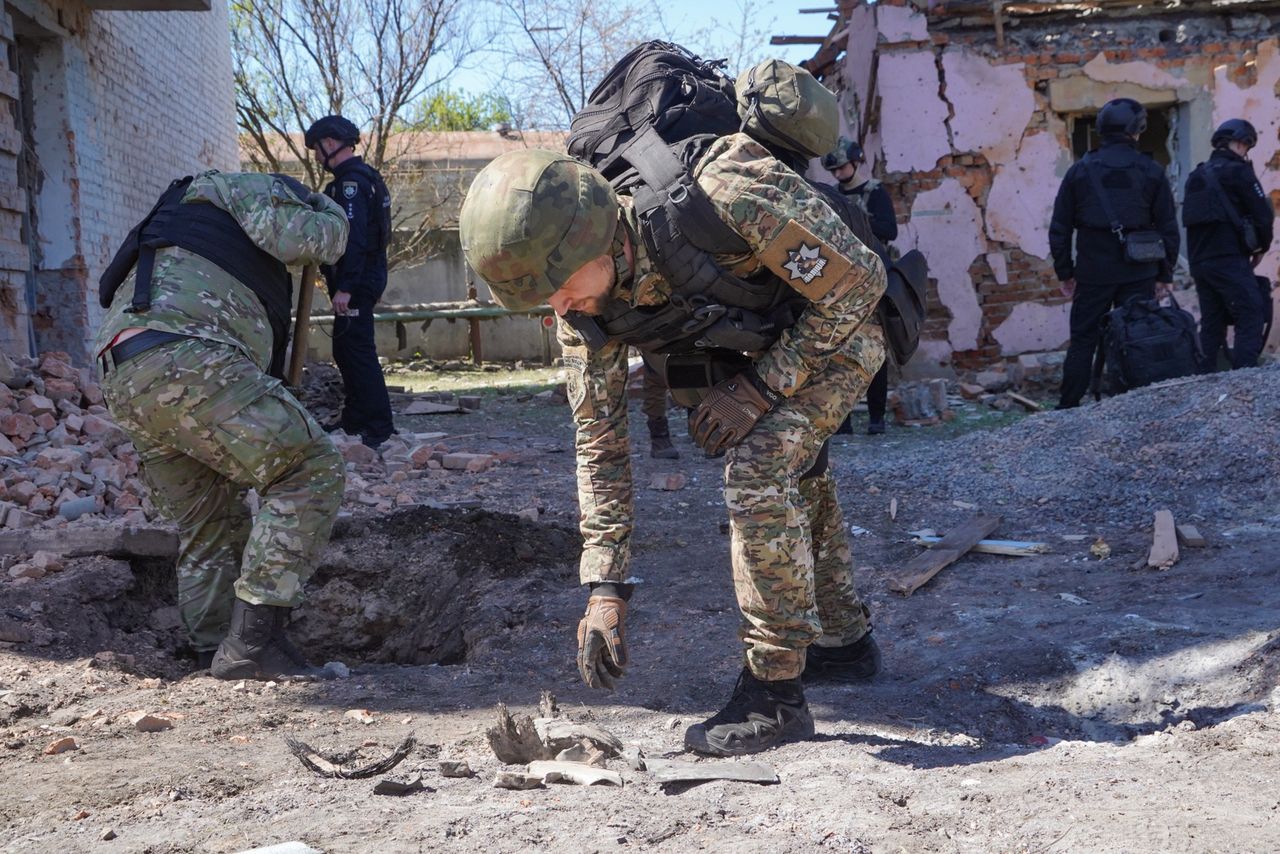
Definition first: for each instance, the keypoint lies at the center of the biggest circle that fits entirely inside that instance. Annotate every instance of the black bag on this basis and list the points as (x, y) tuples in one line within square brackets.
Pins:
[(1144, 342), (1141, 246), (1245, 229), (657, 85), (904, 304)]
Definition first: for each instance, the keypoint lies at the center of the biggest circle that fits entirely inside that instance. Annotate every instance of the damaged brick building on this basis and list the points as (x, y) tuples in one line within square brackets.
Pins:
[(102, 103), (972, 110)]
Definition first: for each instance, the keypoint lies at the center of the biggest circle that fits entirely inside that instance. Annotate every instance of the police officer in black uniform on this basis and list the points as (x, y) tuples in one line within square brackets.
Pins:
[(357, 281), (1101, 276), (1229, 228), (872, 198)]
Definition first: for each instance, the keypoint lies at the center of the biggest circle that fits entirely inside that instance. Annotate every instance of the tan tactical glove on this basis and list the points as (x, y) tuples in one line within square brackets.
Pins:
[(602, 645), (730, 411)]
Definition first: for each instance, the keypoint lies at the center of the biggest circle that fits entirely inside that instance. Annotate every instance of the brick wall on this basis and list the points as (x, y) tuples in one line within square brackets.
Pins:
[(142, 98)]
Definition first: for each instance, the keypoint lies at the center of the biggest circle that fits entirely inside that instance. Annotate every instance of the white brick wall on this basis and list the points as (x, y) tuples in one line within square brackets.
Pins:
[(146, 97)]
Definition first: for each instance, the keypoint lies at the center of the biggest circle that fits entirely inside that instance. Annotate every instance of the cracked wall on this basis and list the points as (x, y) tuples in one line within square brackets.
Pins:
[(972, 141)]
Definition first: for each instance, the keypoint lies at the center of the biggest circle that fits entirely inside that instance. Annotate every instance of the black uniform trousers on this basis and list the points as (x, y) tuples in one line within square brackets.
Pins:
[(1091, 302), (1230, 296), (367, 409)]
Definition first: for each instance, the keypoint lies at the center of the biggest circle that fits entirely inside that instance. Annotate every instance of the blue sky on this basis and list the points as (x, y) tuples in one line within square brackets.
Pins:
[(688, 17)]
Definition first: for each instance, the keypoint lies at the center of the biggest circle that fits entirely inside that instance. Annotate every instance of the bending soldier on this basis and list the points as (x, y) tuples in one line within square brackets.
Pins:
[(540, 227), (191, 358)]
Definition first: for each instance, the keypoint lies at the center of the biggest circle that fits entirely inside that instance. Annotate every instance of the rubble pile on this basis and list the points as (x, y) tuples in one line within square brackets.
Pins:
[(1204, 447), (61, 455)]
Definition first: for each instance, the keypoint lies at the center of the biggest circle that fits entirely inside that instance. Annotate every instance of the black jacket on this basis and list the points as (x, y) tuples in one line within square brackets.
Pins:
[(362, 269), (879, 207), (1210, 232), (1139, 193)]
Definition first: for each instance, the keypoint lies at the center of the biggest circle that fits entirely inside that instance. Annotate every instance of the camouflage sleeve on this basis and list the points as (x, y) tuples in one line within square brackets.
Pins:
[(289, 226), (798, 237), (597, 387)]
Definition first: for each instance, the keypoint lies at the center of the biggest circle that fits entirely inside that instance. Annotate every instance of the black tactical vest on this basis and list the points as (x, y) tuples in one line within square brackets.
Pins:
[(216, 236)]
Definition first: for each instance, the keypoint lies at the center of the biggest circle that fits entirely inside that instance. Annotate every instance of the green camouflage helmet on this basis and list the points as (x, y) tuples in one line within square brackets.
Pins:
[(533, 218)]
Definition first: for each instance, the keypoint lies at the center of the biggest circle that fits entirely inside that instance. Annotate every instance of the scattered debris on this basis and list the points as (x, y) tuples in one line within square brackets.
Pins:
[(427, 407), (583, 753), (363, 716), (400, 787), (559, 734), (514, 740), (283, 848), (1164, 545), (947, 551), (61, 745), (893, 509), (574, 772), (668, 482), (1190, 536), (1073, 599), (672, 771), (147, 722), (333, 765), (337, 670), (1100, 549), (517, 780), (1025, 402), (455, 769)]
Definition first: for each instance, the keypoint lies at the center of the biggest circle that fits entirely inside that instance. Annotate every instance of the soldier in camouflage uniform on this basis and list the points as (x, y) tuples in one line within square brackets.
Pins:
[(197, 300), (541, 227)]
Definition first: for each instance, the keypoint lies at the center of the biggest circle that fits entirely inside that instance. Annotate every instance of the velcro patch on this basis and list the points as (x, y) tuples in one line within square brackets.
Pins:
[(349, 189), (575, 382), (804, 261)]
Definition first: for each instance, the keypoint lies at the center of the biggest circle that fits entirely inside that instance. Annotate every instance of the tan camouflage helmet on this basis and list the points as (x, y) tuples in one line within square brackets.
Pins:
[(533, 218)]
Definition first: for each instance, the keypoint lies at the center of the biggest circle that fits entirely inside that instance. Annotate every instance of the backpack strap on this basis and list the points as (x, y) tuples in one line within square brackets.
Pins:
[(1091, 170), (1211, 178)]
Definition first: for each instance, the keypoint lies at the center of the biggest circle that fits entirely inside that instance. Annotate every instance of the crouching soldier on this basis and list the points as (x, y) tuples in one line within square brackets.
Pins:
[(191, 358)]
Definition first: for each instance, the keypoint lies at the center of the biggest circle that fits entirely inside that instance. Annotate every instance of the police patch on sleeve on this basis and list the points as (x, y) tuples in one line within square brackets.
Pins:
[(349, 189), (804, 261), (575, 383)]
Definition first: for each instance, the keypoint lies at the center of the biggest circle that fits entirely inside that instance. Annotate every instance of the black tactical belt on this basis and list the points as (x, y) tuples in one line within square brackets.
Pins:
[(146, 340)]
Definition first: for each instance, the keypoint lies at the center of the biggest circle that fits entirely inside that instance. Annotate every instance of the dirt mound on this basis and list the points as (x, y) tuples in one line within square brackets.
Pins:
[(412, 587), (1202, 446)]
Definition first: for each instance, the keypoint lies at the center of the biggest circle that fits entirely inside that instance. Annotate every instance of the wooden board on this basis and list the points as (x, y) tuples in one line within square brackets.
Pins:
[(951, 548), (671, 771), (76, 541), (1164, 542), (1190, 536), (1025, 402), (1012, 548)]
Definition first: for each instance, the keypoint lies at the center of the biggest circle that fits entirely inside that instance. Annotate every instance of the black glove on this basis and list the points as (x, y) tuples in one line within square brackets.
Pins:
[(730, 411), (602, 640)]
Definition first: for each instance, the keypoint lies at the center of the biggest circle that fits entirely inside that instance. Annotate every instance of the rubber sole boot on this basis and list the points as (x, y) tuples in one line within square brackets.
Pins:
[(759, 715), (846, 426), (257, 648), (854, 662), (660, 448), (875, 428)]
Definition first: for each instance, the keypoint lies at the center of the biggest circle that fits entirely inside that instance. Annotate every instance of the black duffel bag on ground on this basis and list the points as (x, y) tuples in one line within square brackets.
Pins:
[(1144, 342)]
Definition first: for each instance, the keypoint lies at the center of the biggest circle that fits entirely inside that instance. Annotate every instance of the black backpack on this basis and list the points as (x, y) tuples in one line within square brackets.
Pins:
[(1144, 342)]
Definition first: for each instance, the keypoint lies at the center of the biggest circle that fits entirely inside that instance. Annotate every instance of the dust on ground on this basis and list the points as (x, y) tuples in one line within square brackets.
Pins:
[(1047, 703)]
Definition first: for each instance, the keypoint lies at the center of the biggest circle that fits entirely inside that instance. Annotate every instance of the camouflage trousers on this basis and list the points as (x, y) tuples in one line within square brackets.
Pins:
[(208, 425), (792, 564)]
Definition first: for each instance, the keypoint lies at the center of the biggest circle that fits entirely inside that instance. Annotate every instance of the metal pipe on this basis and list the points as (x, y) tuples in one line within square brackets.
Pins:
[(415, 313)]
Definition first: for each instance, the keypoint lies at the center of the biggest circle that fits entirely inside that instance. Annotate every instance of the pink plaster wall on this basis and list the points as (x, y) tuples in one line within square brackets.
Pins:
[(900, 23), (947, 227), (1034, 327), (912, 115), (991, 104), (1021, 200)]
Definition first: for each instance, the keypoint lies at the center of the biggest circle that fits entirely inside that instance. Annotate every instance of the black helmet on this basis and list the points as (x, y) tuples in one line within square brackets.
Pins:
[(847, 151), (332, 127), (1235, 130), (1123, 115)]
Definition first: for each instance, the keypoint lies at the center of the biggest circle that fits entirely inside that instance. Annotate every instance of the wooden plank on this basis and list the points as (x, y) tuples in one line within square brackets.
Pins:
[(1012, 548), (302, 325), (1190, 536), (76, 541), (951, 548), (1164, 542), (672, 771), (1025, 402)]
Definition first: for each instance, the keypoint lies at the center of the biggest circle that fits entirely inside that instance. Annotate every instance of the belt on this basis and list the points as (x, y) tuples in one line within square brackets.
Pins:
[(148, 339)]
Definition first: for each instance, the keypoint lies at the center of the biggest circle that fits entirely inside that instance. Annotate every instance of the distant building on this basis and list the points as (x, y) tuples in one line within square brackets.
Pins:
[(972, 111), (102, 104)]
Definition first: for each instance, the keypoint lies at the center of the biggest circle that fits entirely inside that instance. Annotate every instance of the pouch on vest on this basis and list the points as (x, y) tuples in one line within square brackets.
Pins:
[(903, 307), (783, 104)]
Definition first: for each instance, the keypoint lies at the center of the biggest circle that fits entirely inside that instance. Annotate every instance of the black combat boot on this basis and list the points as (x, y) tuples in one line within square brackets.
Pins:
[(256, 647), (853, 662), (759, 715), (875, 427), (660, 447)]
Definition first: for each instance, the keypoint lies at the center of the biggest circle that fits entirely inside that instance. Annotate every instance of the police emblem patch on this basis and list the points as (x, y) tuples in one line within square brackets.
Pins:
[(805, 263), (349, 189)]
